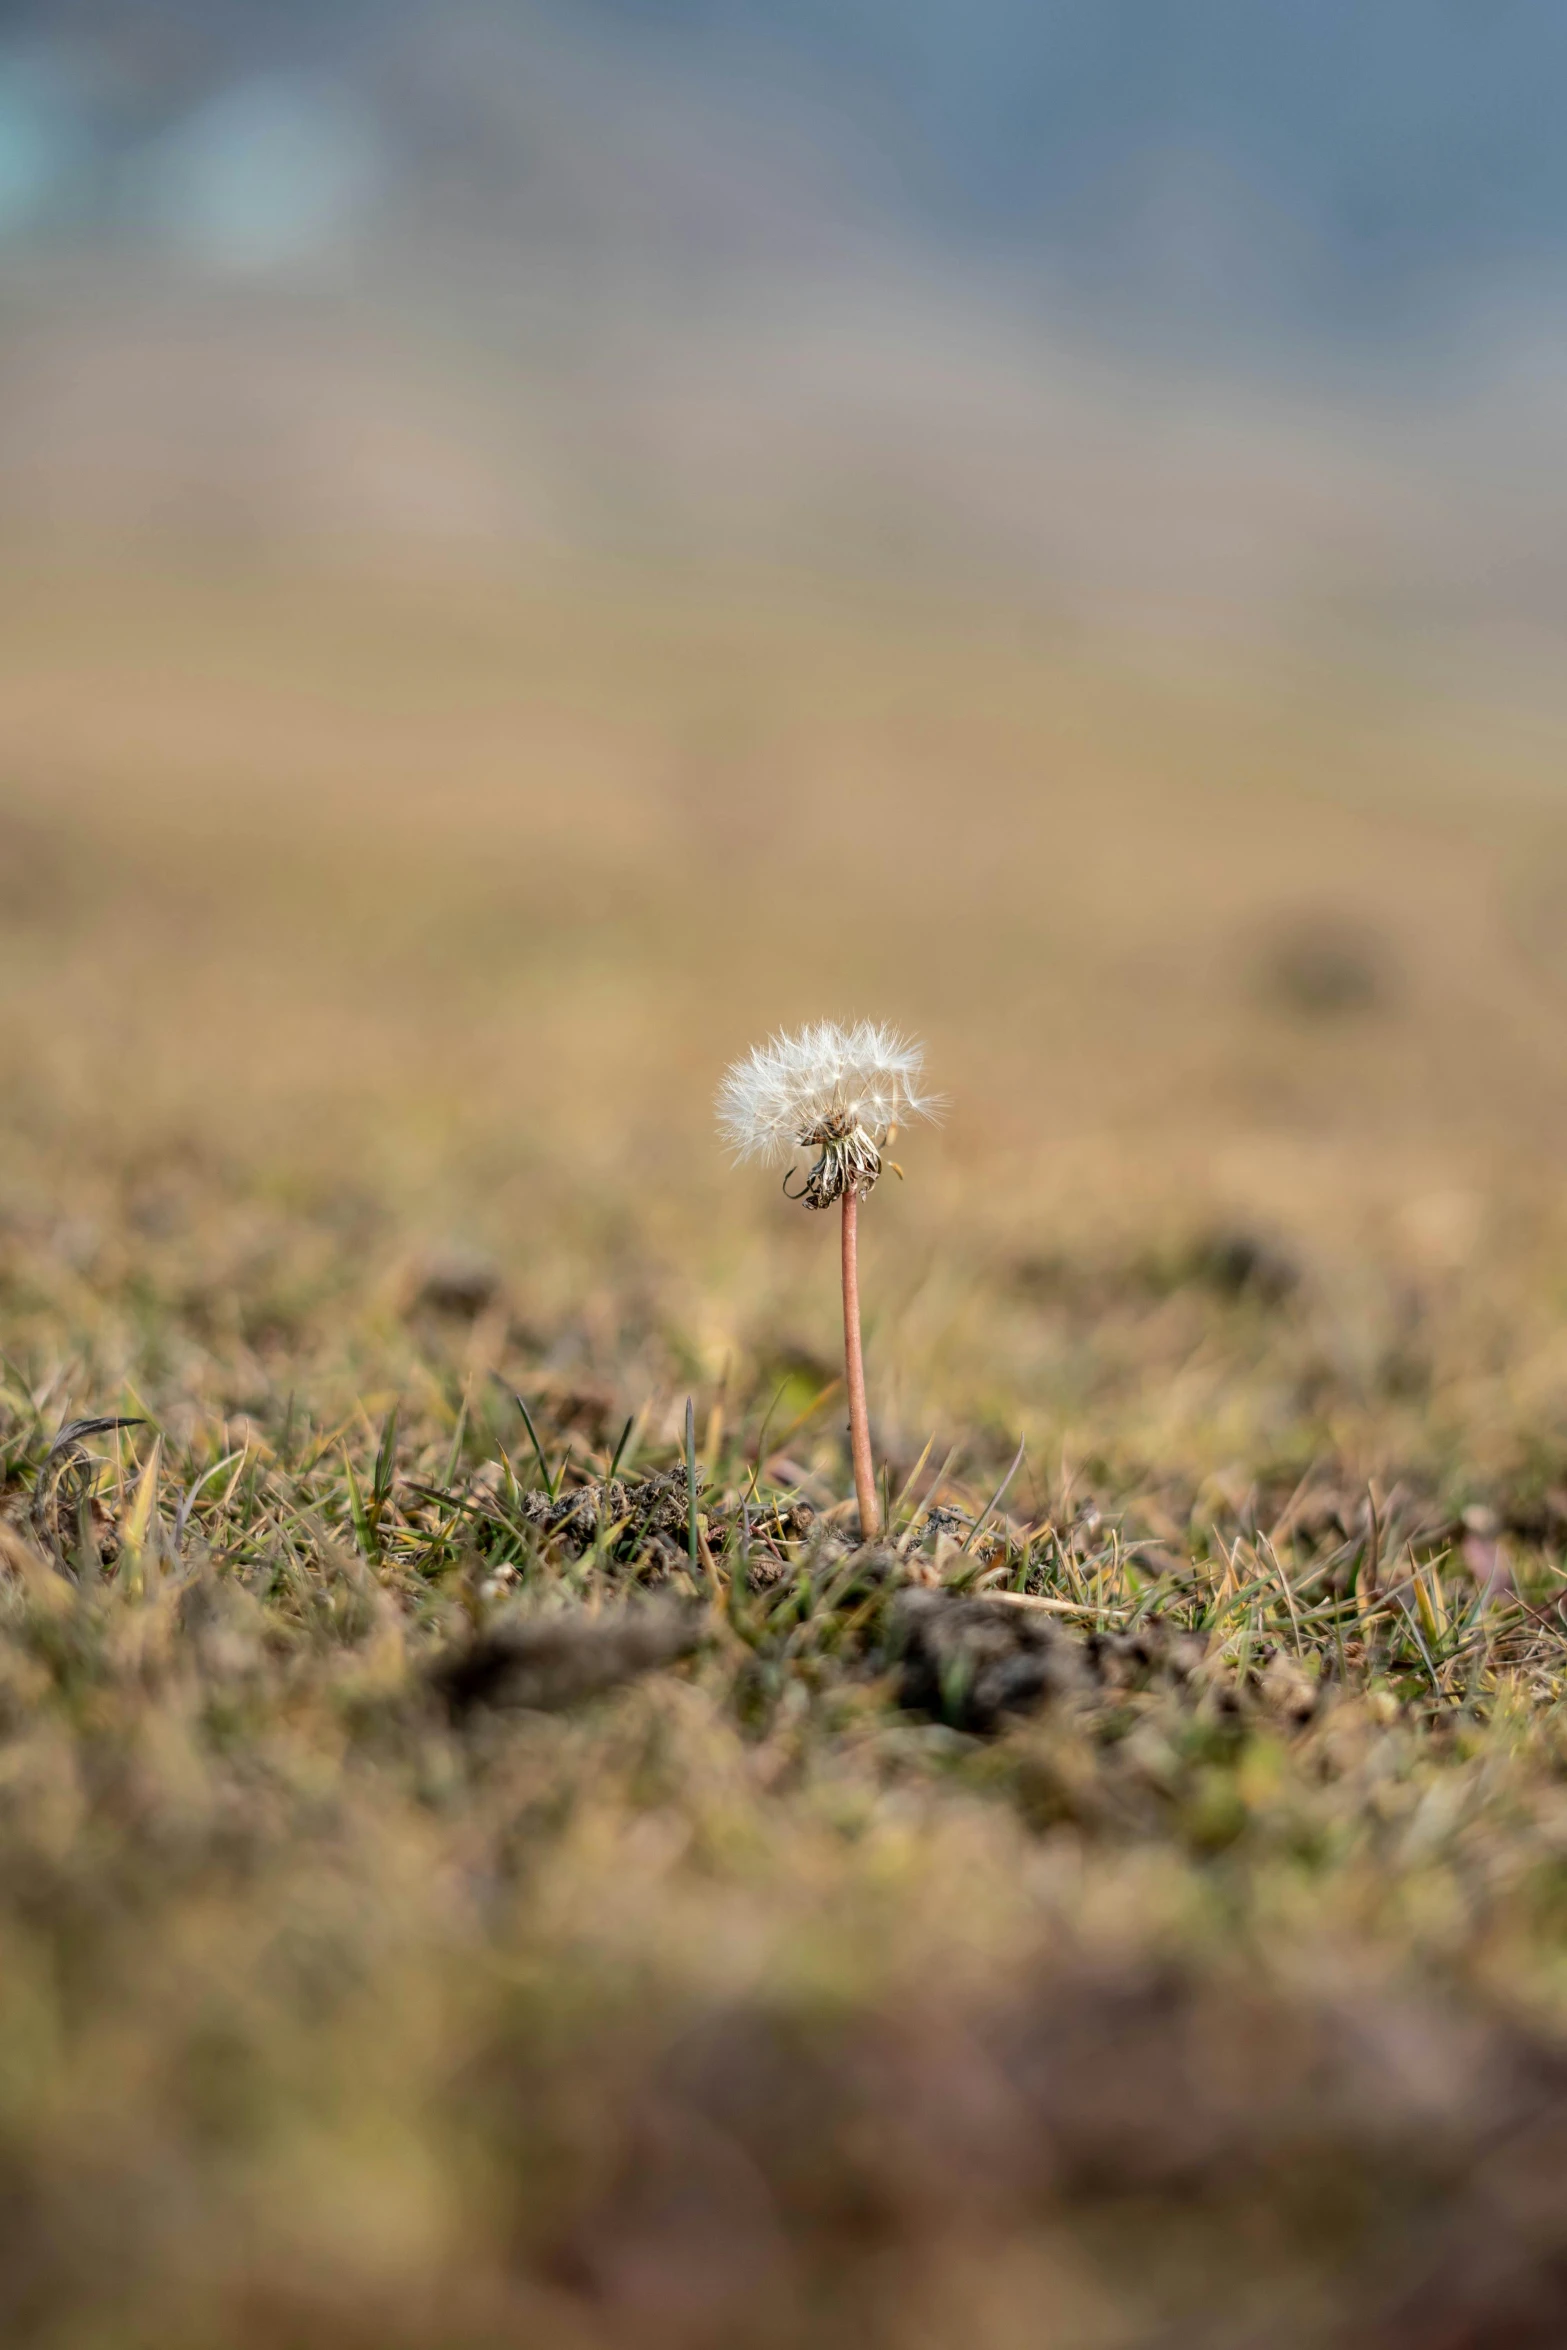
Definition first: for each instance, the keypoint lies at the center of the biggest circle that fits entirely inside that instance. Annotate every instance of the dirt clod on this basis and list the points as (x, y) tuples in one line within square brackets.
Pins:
[(561, 1660), (973, 1662)]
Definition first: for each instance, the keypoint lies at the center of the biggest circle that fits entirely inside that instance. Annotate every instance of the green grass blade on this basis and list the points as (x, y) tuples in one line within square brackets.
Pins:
[(692, 1537), (385, 1461), (550, 1483), (625, 1438)]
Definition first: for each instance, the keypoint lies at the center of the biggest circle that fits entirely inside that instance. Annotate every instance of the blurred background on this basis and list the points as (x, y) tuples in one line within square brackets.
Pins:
[(1243, 314), (539, 542)]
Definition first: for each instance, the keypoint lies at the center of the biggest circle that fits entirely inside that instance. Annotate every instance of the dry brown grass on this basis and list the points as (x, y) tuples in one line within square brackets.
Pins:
[(370, 952)]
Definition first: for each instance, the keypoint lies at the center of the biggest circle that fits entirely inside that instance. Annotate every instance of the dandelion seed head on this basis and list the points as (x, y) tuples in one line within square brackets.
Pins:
[(838, 1090)]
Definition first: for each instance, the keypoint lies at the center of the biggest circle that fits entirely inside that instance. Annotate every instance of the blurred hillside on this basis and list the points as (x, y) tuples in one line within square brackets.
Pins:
[(1258, 321)]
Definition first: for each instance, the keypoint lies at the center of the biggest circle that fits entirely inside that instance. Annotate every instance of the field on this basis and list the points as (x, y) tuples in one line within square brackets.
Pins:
[(451, 1897)]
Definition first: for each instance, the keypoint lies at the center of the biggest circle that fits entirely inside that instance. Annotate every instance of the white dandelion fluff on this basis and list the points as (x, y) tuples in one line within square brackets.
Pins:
[(840, 1091)]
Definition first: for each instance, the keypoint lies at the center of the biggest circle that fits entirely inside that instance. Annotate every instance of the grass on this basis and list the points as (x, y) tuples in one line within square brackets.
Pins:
[(465, 1879)]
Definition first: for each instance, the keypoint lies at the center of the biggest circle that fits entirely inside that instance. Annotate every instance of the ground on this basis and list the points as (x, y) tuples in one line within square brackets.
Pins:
[(450, 1892)]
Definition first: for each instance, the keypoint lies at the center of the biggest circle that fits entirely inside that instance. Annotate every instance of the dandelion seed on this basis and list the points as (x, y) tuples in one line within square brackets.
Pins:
[(842, 1093)]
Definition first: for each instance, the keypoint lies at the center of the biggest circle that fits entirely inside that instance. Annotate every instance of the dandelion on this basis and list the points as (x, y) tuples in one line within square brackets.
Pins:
[(842, 1093)]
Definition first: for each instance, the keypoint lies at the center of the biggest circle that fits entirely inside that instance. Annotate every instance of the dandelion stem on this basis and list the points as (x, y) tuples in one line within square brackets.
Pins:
[(854, 1372)]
